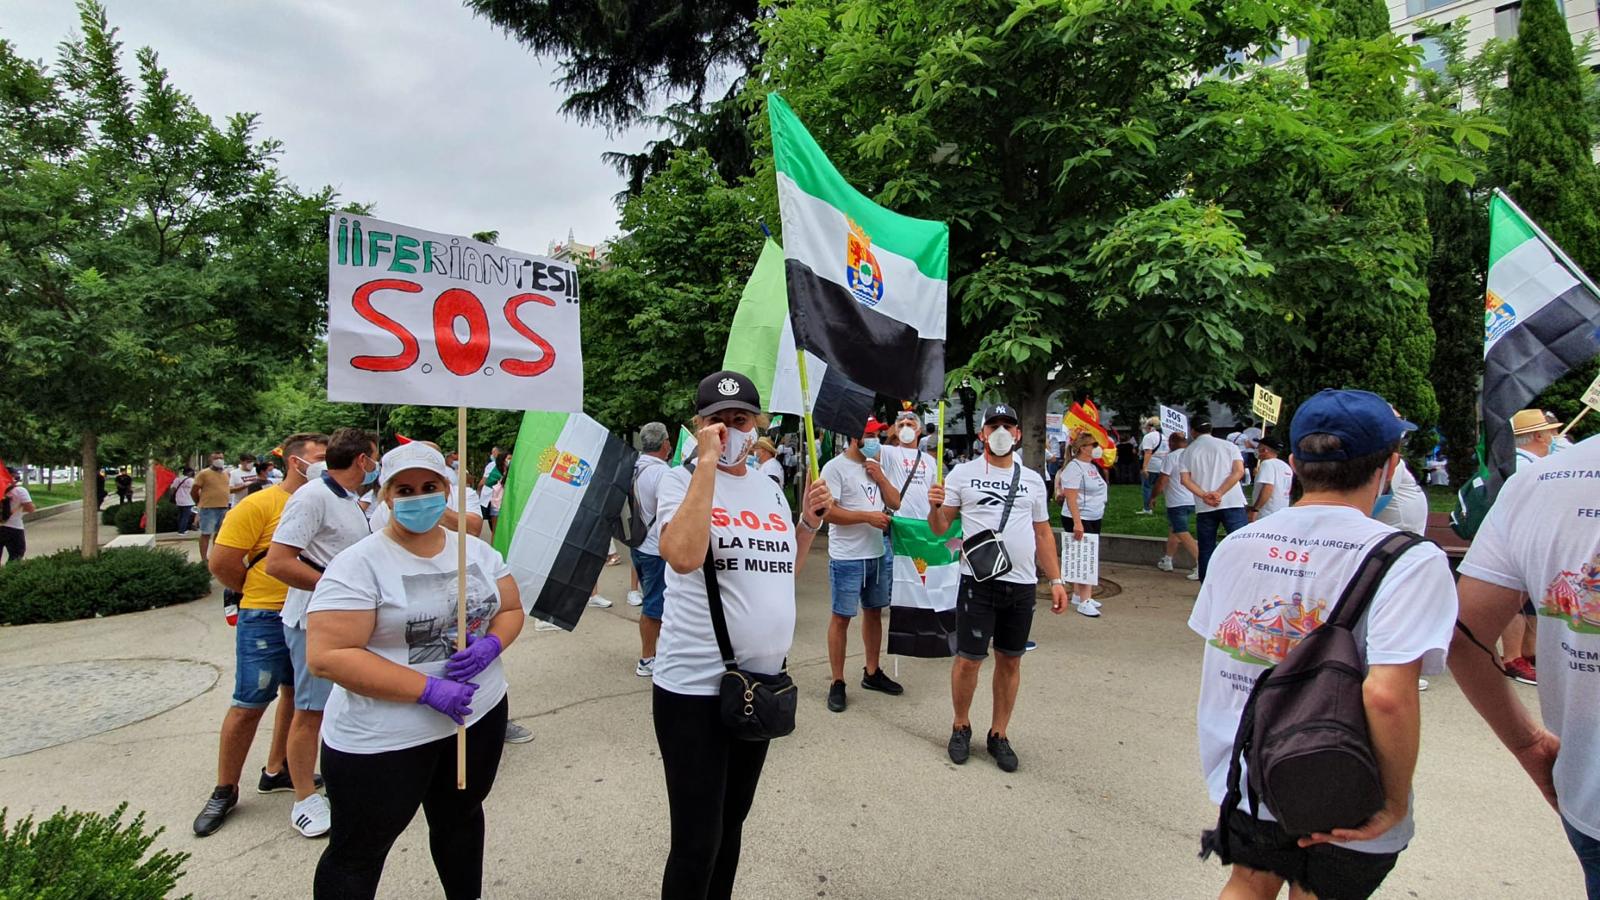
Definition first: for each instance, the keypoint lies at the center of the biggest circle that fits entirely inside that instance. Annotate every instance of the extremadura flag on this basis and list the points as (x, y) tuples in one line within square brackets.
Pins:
[(922, 609)]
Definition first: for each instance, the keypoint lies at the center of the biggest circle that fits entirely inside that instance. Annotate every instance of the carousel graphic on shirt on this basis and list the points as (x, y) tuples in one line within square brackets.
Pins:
[(431, 616), (1574, 597), (1264, 634)]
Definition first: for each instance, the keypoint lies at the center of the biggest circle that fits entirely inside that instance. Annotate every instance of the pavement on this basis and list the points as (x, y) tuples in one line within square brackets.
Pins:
[(1108, 802)]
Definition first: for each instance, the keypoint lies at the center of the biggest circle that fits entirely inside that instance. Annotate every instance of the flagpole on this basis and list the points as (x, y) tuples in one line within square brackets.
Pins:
[(461, 579), (811, 434), (1551, 245), (938, 459)]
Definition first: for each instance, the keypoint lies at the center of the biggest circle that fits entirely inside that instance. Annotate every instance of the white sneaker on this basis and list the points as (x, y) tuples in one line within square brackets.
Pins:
[(1195, 575), (542, 625), (599, 602), (635, 598), (646, 668), (1088, 608), (1145, 512), (311, 816), (1422, 684), (1164, 564)]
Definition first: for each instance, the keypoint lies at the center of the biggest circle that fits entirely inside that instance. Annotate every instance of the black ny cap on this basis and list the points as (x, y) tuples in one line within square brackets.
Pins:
[(726, 390), (1000, 411)]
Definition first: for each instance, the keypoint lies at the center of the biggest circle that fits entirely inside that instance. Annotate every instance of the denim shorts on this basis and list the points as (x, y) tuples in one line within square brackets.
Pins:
[(1178, 518), (652, 583), (261, 659), (310, 692), (861, 583), (211, 518)]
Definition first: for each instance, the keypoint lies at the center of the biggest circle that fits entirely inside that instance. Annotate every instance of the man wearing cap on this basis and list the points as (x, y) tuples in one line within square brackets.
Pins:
[(999, 608), (1274, 479), (1152, 453), (1345, 445), (1535, 432), (910, 468), (1212, 469), (860, 562)]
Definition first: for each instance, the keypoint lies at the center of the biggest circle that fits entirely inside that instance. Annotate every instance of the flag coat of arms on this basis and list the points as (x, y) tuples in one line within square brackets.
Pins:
[(1541, 318), (927, 576), (867, 286), (563, 499)]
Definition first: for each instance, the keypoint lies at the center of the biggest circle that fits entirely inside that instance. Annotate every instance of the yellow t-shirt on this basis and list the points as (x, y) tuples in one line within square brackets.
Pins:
[(211, 487), (248, 527)]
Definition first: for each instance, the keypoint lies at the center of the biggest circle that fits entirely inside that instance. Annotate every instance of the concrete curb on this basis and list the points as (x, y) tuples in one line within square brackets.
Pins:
[(50, 512)]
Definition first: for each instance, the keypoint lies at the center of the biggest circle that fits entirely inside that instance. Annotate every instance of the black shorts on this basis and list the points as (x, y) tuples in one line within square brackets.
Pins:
[(998, 610), (1329, 871), (1090, 526)]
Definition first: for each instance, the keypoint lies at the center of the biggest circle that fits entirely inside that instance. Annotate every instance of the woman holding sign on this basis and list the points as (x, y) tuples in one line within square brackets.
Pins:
[(732, 550), (1082, 492), (382, 627)]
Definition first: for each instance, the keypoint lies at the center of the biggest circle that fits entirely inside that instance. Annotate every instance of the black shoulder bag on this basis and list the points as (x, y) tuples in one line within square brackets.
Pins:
[(985, 550), (755, 707)]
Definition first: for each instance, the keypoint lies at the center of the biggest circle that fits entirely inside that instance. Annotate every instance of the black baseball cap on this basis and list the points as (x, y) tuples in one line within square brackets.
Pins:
[(726, 390), (1274, 442), (1000, 411)]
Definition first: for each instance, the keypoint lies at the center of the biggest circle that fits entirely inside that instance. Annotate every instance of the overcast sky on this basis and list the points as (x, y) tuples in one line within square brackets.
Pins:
[(415, 106)]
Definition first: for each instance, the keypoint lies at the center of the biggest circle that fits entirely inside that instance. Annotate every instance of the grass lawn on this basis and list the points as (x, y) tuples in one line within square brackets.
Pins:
[(1123, 502), (68, 491)]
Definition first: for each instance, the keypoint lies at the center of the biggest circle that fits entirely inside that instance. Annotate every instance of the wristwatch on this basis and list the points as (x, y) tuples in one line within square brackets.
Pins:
[(1058, 582)]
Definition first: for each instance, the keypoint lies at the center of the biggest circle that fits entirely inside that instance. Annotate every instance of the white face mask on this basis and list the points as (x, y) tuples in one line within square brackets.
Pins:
[(907, 434), (1001, 442), (737, 447), (315, 470), (1097, 453)]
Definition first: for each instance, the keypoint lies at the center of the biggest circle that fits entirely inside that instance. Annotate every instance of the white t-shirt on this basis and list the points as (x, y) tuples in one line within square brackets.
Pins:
[(415, 600), (1174, 492), (1274, 581), (1209, 461), (322, 519), (19, 495), (772, 469), (1408, 510), (239, 477), (1084, 478), (753, 542), (897, 462), (1277, 473), (1249, 439), (1156, 444), (378, 513), (979, 490), (647, 474), (183, 491), (853, 489), (1542, 537)]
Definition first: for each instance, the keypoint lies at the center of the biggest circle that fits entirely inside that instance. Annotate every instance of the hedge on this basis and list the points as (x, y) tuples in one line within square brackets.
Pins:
[(80, 855), (126, 517), (65, 586)]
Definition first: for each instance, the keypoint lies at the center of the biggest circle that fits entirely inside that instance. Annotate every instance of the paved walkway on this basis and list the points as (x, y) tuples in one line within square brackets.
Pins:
[(1108, 803)]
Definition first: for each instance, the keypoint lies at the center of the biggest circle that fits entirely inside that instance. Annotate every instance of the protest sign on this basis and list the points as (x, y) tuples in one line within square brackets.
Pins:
[(1266, 405), (1173, 422), (1080, 559), (1591, 397), (437, 319)]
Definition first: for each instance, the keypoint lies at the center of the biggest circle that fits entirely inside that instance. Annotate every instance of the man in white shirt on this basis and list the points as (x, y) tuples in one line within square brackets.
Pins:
[(241, 479), (1535, 433), (860, 562), (1541, 539), (655, 448), (1277, 582), (999, 608), (1274, 480), (910, 469), (1211, 470), (1249, 445), (1152, 453)]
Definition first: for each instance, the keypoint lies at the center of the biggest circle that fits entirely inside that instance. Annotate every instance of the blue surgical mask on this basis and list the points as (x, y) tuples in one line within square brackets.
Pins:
[(419, 514), (1383, 501), (751, 460), (869, 448), (370, 477)]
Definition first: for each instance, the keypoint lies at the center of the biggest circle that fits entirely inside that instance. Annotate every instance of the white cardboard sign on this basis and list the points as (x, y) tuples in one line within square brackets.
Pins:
[(1591, 397), (1173, 422), (437, 319), (1080, 560)]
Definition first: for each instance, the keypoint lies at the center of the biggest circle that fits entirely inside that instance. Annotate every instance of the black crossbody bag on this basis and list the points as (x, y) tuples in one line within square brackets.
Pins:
[(755, 707), (985, 550)]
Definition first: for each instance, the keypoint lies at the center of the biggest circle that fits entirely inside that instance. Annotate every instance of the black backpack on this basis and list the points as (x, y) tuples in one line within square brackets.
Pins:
[(1303, 731), (632, 528)]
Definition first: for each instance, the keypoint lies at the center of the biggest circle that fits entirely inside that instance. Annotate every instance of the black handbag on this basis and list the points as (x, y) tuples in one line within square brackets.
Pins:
[(755, 707), (985, 550)]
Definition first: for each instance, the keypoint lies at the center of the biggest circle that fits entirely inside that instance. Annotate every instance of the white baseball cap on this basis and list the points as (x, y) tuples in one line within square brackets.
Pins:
[(415, 455)]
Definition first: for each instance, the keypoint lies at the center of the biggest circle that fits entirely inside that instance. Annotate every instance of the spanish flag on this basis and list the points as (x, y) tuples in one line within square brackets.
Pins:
[(1085, 416)]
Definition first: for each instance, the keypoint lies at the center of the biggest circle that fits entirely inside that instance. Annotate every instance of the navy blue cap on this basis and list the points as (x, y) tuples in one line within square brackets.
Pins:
[(1363, 422)]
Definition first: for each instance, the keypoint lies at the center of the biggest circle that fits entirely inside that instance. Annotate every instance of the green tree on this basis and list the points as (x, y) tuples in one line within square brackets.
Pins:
[(152, 263)]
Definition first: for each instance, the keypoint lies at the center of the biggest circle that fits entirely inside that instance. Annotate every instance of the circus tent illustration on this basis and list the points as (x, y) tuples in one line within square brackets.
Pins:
[(1575, 597), (1269, 630)]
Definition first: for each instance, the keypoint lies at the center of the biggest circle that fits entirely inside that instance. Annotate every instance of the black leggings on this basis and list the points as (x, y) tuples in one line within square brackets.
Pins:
[(374, 796), (13, 543), (711, 781)]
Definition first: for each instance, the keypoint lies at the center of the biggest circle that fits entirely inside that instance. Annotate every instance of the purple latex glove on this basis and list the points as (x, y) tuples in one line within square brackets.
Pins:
[(465, 664), (452, 698)]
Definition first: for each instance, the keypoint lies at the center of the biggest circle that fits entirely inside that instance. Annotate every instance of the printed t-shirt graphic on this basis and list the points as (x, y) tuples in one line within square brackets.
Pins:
[(853, 489), (753, 548), (897, 461), (1275, 581), (1542, 537), (979, 491)]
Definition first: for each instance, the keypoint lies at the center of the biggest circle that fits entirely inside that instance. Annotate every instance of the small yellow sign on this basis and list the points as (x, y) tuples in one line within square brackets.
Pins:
[(1266, 405)]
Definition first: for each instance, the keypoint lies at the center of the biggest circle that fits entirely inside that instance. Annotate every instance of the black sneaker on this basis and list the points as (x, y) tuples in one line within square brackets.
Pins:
[(272, 784), (1000, 750), (960, 744), (879, 681), (836, 700), (223, 799)]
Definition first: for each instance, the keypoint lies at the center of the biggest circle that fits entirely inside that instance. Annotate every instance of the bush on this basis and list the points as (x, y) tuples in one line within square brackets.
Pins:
[(73, 855), (108, 516), (126, 517), (64, 585)]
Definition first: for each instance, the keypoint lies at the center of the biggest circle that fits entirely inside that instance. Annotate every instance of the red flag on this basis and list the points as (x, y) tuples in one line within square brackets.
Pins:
[(6, 481), (164, 479), (401, 438)]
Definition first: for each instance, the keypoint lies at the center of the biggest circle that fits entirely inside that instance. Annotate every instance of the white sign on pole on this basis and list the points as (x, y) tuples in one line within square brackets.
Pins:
[(1080, 560), (1591, 397), (1173, 422), (1266, 405), (442, 320)]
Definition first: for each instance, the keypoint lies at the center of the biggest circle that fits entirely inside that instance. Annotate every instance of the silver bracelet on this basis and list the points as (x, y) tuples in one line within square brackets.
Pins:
[(809, 528)]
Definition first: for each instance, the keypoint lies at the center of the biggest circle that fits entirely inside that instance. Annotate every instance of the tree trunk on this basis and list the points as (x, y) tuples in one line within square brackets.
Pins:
[(90, 546), (1031, 394), (150, 497)]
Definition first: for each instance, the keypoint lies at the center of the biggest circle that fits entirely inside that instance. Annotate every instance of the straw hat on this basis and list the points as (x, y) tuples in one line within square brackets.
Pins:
[(1532, 421)]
